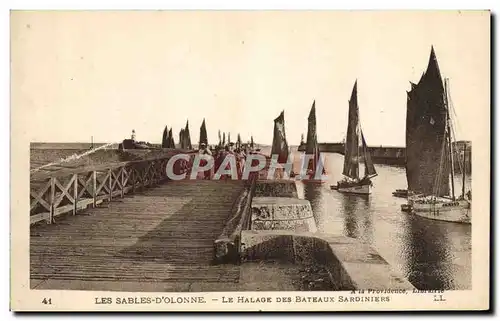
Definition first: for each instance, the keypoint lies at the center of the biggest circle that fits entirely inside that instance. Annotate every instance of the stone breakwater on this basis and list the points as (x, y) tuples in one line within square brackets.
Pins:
[(277, 226), (282, 213), (276, 206)]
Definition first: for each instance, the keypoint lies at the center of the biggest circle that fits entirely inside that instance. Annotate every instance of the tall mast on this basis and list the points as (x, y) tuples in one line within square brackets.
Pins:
[(358, 130), (448, 134), (463, 172), (351, 157)]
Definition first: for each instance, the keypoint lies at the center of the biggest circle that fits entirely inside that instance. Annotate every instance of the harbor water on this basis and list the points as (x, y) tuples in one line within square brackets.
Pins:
[(430, 254)]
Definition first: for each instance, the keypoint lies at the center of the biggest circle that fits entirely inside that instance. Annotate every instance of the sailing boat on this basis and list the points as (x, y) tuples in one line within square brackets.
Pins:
[(280, 145), (203, 134), (312, 148), (430, 163), (353, 183)]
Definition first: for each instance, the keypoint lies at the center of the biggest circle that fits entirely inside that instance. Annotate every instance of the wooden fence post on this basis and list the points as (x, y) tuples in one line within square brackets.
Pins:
[(153, 173), (110, 184), (75, 193), (52, 198), (132, 176), (94, 188), (122, 178), (144, 175)]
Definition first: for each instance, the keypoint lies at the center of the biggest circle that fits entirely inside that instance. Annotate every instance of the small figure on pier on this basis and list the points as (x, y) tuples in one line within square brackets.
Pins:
[(204, 150), (133, 135)]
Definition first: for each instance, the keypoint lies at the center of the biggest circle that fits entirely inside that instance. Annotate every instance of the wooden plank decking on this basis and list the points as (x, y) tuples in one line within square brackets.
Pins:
[(164, 234)]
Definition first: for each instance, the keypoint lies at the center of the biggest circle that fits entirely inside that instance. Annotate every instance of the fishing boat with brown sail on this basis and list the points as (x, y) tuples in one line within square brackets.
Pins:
[(185, 138), (429, 146), (356, 151), (279, 148), (315, 168)]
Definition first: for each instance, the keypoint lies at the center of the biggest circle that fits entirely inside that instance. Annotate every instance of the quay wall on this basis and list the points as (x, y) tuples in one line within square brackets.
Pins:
[(351, 264)]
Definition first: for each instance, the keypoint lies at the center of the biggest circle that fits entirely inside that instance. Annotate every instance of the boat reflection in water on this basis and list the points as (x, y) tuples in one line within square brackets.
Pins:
[(357, 220), (429, 263), (431, 254), (313, 193)]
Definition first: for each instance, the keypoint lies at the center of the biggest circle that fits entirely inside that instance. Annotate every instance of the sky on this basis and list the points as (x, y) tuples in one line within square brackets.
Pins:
[(80, 74)]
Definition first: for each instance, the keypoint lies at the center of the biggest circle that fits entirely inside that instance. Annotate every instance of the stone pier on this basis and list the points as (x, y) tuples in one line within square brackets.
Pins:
[(276, 188), (282, 213)]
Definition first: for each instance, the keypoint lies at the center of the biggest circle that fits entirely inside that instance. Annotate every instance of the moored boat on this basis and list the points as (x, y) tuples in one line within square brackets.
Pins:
[(279, 147), (356, 151), (314, 169), (400, 193), (430, 162)]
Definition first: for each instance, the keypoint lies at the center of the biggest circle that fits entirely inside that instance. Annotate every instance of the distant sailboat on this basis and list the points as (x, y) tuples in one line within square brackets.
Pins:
[(356, 151), (164, 140), (186, 138), (280, 145), (238, 141), (312, 148), (181, 139), (171, 142), (203, 134), (429, 148)]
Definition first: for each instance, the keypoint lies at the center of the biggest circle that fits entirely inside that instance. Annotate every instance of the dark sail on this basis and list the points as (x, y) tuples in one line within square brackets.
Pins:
[(312, 140), (187, 137), (238, 141), (251, 141), (224, 139), (164, 140), (181, 139), (171, 142), (369, 167), (280, 145), (427, 159), (203, 134), (351, 156)]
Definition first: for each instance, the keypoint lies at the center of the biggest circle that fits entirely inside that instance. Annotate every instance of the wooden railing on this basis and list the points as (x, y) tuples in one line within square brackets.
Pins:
[(70, 191)]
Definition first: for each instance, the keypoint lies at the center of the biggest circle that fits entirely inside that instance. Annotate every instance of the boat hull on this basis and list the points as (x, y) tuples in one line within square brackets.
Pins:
[(313, 181), (363, 189), (400, 193), (457, 211)]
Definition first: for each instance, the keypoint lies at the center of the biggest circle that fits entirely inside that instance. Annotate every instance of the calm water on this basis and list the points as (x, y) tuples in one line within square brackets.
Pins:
[(431, 254)]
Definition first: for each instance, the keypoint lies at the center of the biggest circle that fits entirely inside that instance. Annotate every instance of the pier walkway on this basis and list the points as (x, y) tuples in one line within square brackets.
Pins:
[(161, 239)]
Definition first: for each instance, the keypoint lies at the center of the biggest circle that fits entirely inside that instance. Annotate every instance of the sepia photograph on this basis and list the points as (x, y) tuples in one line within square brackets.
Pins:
[(250, 160)]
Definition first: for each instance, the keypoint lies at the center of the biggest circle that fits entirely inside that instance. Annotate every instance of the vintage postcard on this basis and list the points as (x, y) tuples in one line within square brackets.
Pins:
[(250, 160)]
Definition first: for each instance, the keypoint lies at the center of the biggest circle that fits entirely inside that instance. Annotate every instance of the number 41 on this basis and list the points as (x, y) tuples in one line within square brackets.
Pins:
[(47, 301)]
